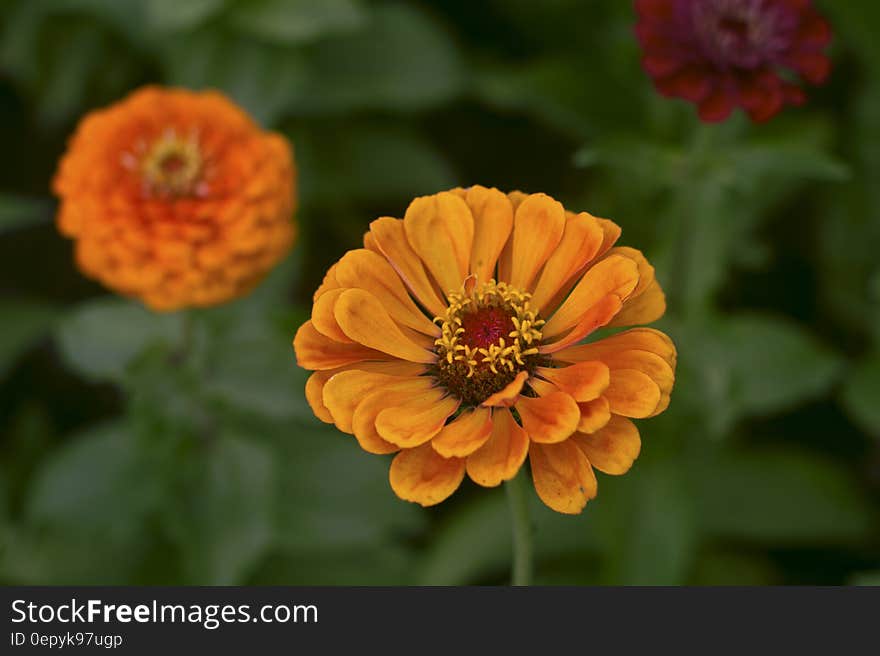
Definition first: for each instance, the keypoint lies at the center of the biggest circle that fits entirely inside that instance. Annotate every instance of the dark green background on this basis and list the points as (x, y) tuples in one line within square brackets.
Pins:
[(133, 454)]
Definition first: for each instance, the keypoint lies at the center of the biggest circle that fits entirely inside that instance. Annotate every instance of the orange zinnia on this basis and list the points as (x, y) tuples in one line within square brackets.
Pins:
[(513, 283), (176, 198)]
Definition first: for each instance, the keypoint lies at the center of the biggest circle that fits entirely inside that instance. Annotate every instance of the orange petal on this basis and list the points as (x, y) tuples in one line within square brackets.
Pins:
[(370, 243), (614, 448), (632, 393), (646, 362), (594, 415), (315, 351), (646, 270), (563, 477), (440, 230), (550, 418), (516, 198), (615, 275), (344, 391), (643, 339), (323, 319), (611, 233), (328, 283), (537, 229), (500, 458), (315, 395), (594, 318), (364, 269), (363, 319), (363, 420), (390, 236), (493, 221), (465, 434), (416, 422), (507, 397), (584, 381), (423, 476), (580, 243), (647, 307)]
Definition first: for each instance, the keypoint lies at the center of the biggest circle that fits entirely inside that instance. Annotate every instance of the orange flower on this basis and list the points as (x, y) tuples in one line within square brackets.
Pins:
[(513, 283), (177, 198)]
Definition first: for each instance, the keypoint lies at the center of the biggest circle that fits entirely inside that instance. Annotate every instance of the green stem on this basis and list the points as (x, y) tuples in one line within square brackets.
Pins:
[(518, 499)]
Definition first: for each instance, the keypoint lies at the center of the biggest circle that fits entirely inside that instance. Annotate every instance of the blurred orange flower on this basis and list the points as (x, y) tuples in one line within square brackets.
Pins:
[(513, 283), (177, 198)]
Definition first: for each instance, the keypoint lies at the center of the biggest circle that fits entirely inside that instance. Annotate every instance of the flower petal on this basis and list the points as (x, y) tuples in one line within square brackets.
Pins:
[(315, 351), (647, 307), (632, 393), (465, 434), (423, 476), (614, 448), (563, 477), (364, 269), (643, 339), (417, 421), (615, 275), (594, 415), (580, 243), (500, 458), (363, 319), (390, 236), (611, 233), (345, 390), (440, 229), (327, 284), (493, 221), (363, 420), (323, 318), (550, 418), (584, 381), (508, 396), (537, 229), (600, 314), (315, 395)]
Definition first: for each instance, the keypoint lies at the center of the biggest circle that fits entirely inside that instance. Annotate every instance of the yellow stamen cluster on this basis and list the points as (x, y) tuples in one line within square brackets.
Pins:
[(173, 164), (509, 351)]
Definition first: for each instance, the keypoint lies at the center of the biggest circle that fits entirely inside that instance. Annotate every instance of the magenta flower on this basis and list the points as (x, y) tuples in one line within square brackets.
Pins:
[(723, 54)]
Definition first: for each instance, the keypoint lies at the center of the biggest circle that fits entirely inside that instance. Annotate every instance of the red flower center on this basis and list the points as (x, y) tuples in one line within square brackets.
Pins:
[(485, 326), (744, 34)]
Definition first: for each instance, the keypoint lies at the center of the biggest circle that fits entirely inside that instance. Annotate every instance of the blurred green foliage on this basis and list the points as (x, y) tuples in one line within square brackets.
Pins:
[(144, 448)]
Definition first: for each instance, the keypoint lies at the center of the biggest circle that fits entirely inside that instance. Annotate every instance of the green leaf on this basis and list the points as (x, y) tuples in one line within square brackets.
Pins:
[(648, 526), (101, 338), (861, 394), (253, 368), (773, 363), (97, 483), (473, 542), (24, 323), (867, 579), (401, 60), (336, 495), (18, 212), (372, 162), (173, 15), (297, 21), (751, 365), (264, 79), (783, 498), (223, 520)]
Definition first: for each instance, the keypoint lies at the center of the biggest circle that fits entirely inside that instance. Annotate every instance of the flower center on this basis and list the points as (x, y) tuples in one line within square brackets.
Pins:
[(172, 166), (740, 33), (488, 335)]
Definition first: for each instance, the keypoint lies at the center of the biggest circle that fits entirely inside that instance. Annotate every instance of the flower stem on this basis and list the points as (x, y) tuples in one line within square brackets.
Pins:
[(518, 499)]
